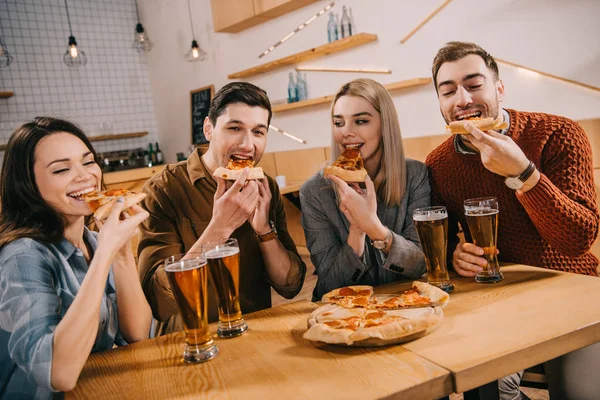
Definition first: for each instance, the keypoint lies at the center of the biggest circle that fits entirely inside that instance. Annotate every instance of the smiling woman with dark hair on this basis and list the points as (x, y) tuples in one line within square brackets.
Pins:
[(60, 284)]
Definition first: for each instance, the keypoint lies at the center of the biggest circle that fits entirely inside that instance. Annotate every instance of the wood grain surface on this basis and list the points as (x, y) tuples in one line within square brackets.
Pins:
[(492, 330), (271, 361)]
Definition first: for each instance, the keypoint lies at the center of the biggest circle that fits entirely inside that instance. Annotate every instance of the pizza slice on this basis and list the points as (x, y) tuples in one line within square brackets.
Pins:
[(420, 295), (102, 201), (349, 296), (235, 167), (483, 124), (349, 166)]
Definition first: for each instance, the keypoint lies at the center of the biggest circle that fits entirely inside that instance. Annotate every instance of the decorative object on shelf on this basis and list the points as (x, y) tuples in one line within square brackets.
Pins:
[(73, 57), (359, 70), (345, 25), (315, 52), (560, 78), (195, 53), (200, 102), (289, 135), (141, 41), (6, 95), (327, 99), (298, 29), (351, 17), (332, 28), (292, 90), (426, 20), (5, 57), (301, 86)]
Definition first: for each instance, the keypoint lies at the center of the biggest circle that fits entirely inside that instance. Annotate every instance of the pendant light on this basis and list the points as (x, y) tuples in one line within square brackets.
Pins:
[(195, 53), (141, 41), (5, 57), (73, 57)]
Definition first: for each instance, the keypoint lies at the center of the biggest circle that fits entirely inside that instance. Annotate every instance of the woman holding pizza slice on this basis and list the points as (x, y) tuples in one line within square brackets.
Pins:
[(64, 291), (358, 237)]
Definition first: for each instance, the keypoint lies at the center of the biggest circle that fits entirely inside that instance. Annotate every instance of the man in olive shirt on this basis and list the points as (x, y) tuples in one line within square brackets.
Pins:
[(189, 207)]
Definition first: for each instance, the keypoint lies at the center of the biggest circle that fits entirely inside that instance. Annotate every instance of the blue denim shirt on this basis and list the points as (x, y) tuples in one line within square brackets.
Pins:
[(38, 283)]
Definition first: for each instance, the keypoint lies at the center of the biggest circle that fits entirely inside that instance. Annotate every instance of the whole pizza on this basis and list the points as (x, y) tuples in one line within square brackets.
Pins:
[(354, 316)]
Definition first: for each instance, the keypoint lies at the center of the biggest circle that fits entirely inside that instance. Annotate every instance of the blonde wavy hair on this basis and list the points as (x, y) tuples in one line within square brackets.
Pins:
[(390, 178)]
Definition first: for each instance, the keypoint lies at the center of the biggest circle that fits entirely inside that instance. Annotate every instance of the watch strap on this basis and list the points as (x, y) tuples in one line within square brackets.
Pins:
[(527, 173), (265, 237)]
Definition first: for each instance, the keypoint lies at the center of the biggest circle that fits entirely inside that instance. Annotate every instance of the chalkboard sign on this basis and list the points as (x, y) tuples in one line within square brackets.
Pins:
[(200, 101)]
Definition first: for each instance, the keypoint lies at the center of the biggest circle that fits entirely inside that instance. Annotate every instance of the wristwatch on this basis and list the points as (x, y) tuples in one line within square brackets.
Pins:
[(272, 234), (382, 244), (517, 182)]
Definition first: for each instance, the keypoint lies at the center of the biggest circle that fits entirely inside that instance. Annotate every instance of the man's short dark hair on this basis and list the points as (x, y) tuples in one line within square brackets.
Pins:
[(238, 92), (454, 51)]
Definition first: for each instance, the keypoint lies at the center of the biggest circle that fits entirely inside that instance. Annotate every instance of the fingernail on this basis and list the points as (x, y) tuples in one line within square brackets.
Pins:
[(121, 199)]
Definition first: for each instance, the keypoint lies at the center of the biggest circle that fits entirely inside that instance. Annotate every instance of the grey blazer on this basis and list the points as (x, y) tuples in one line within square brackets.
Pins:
[(326, 230)]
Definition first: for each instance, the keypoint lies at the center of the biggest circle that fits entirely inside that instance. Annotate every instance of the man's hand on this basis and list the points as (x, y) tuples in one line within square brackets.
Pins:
[(499, 153), (468, 259), (259, 219), (233, 206)]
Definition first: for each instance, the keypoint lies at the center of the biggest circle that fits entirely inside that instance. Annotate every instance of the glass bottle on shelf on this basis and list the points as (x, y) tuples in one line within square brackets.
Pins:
[(151, 155), (346, 28), (352, 24), (292, 90), (301, 87), (159, 155), (332, 29)]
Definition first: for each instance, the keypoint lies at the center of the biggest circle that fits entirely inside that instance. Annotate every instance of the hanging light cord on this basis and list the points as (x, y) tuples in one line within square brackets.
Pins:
[(137, 11), (191, 23), (68, 19)]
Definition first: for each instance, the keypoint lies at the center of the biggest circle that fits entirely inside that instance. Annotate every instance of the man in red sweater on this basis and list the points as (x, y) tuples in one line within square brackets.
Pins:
[(540, 169)]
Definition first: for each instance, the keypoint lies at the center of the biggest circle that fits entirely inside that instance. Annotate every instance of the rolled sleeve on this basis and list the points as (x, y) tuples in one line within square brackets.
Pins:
[(30, 310)]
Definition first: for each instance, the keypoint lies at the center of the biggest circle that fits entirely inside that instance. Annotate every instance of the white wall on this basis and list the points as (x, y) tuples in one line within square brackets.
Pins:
[(556, 36)]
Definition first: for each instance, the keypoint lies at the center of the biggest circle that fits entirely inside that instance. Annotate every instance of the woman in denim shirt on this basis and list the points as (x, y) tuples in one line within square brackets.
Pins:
[(357, 238), (59, 282)]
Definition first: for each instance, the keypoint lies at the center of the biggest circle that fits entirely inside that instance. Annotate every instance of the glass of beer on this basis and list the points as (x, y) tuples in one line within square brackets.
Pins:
[(188, 278), (223, 259), (482, 218), (432, 227)]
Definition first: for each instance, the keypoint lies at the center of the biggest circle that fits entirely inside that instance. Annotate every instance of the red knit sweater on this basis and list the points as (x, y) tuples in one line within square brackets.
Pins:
[(554, 224)]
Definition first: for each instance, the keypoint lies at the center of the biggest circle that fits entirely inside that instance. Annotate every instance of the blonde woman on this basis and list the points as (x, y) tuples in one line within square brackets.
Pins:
[(365, 237)]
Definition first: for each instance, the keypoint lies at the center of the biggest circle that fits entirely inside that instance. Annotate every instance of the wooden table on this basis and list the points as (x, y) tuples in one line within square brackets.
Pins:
[(271, 361), (492, 330), (291, 187)]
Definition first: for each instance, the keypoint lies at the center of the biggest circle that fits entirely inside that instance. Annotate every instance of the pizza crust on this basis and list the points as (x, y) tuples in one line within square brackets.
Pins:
[(346, 175), (130, 199), (233, 174)]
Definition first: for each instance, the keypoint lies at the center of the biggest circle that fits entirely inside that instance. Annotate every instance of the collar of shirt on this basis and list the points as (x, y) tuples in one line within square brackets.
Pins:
[(196, 168), (67, 248), (461, 148)]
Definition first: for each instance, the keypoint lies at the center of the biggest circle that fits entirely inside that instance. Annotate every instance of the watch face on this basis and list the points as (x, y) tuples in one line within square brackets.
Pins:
[(513, 183)]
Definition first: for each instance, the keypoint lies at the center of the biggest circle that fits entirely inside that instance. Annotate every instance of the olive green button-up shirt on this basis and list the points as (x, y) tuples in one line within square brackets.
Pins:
[(180, 202)]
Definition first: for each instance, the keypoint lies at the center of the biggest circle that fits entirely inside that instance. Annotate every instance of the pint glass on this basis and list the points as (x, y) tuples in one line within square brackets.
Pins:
[(482, 218), (223, 259), (432, 227), (188, 278)]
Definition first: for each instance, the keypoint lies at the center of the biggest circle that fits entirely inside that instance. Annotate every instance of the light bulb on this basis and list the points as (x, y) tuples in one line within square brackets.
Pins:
[(195, 53), (73, 51)]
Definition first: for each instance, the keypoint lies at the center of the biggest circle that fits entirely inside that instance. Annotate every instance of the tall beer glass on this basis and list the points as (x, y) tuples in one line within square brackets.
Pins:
[(188, 278), (223, 258), (432, 227), (482, 218)]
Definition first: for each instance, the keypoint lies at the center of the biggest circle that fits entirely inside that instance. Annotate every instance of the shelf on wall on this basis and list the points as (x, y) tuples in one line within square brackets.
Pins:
[(105, 137), (6, 95), (329, 48), (327, 99)]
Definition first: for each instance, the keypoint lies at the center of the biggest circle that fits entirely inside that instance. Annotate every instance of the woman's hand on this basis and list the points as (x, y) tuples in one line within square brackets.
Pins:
[(117, 230), (360, 208)]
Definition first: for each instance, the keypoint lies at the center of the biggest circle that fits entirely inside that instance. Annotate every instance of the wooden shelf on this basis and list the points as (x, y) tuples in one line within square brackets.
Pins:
[(327, 99), (117, 136), (105, 137), (329, 48), (6, 95)]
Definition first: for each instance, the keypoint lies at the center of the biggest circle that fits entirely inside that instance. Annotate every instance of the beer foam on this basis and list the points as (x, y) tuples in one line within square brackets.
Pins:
[(222, 252), (184, 265), (480, 211), (431, 215)]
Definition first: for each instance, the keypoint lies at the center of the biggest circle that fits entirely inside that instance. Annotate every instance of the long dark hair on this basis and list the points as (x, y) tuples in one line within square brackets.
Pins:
[(24, 212)]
